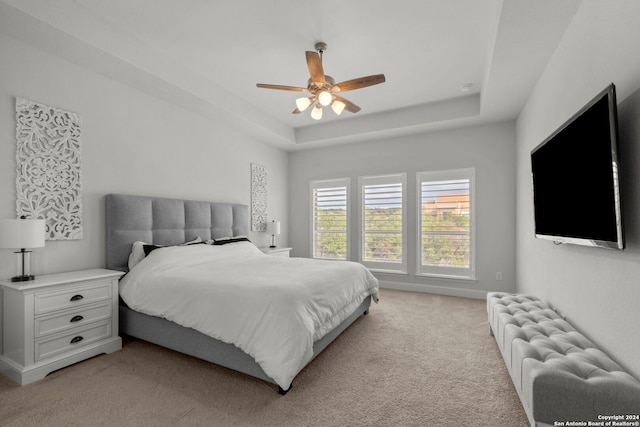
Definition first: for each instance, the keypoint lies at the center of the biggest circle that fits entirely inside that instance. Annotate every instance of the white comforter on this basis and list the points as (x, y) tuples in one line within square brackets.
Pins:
[(273, 308)]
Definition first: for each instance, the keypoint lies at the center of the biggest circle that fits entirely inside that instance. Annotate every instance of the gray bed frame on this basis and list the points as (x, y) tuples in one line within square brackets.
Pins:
[(162, 221)]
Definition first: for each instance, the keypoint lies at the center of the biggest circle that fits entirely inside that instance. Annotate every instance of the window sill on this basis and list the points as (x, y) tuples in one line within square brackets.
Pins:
[(394, 272), (466, 279)]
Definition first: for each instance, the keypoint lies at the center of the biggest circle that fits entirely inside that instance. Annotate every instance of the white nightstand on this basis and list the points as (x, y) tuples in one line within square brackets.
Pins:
[(57, 320), (282, 252)]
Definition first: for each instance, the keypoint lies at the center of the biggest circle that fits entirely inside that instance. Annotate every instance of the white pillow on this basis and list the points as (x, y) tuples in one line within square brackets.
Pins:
[(137, 254), (137, 251)]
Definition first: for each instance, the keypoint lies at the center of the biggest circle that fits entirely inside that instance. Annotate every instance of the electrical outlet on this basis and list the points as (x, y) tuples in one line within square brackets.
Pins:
[(499, 275)]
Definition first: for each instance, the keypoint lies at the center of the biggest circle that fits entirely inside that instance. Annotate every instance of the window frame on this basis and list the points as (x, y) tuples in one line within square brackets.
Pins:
[(378, 266), (447, 272), (325, 184)]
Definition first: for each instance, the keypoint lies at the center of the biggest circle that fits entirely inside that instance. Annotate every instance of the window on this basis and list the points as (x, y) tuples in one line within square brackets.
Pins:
[(446, 223), (330, 219), (383, 222)]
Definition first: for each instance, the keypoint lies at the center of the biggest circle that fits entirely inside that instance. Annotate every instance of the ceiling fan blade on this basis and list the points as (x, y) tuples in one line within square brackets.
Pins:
[(296, 111), (358, 83), (315, 67), (348, 105), (280, 87)]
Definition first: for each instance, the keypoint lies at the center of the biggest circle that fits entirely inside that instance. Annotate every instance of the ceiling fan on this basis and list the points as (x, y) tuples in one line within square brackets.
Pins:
[(324, 89)]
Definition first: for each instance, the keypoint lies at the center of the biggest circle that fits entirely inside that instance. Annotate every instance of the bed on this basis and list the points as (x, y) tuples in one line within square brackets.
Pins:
[(171, 222)]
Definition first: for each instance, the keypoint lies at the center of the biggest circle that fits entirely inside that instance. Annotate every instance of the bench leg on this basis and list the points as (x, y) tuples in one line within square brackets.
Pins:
[(282, 392)]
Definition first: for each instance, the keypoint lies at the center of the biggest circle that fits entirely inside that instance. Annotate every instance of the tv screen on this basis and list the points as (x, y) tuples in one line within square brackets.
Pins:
[(576, 192)]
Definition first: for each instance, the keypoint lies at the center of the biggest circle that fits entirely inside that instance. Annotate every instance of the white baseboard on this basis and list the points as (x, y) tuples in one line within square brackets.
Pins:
[(431, 289)]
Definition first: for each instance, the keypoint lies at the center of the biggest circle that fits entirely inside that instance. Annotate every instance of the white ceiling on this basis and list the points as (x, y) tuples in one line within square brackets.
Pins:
[(209, 55)]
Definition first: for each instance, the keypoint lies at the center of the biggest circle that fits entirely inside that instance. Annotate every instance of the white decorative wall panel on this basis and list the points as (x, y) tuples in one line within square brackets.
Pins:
[(48, 184), (258, 198)]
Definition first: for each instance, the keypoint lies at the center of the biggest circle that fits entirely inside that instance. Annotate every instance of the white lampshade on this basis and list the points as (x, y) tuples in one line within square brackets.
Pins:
[(325, 98), (22, 233), (316, 113), (273, 227), (338, 107), (303, 103)]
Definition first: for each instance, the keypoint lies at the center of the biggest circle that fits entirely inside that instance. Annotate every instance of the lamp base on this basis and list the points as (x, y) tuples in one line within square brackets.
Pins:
[(22, 278), (23, 266)]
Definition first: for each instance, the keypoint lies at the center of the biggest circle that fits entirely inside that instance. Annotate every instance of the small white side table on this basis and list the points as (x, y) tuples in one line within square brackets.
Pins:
[(281, 252), (57, 320)]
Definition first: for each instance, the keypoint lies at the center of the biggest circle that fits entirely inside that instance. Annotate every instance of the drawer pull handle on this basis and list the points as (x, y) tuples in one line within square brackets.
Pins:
[(76, 319), (76, 339), (76, 297)]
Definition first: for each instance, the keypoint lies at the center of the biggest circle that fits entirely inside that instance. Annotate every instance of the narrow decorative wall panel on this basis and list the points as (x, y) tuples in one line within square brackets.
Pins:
[(258, 198), (48, 184)]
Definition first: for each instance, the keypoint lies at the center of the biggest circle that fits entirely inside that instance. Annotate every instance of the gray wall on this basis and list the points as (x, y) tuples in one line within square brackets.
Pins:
[(132, 142), (597, 289), (489, 149)]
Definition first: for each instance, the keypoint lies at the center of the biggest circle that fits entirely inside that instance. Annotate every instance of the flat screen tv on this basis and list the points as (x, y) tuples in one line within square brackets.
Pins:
[(576, 191)]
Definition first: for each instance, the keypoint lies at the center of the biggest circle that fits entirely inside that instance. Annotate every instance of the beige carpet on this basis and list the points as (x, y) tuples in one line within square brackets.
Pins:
[(415, 360)]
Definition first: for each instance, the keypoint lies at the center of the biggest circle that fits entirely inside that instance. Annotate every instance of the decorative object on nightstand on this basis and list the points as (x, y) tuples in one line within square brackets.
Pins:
[(20, 234), (57, 320), (273, 228), (280, 252)]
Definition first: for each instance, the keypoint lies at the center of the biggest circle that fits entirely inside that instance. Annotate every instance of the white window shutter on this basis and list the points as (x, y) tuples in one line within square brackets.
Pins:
[(446, 216), (330, 219), (383, 225)]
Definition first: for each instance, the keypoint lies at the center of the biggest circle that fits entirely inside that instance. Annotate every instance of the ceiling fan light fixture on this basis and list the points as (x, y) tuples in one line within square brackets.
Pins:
[(303, 103), (323, 88), (338, 107), (316, 113), (325, 98)]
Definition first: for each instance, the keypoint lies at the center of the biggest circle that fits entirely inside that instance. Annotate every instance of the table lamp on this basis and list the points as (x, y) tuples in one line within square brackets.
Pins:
[(273, 228), (20, 234)]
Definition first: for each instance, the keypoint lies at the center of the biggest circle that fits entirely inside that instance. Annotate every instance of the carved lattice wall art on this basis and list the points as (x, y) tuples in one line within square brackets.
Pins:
[(258, 198), (48, 184)]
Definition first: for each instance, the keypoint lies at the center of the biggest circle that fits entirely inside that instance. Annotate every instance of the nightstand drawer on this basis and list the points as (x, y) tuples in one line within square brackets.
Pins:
[(79, 337), (46, 302), (71, 319), (279, 252)]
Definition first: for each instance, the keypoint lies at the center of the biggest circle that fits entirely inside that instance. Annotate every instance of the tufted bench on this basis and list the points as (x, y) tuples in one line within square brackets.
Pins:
[(558, 373)]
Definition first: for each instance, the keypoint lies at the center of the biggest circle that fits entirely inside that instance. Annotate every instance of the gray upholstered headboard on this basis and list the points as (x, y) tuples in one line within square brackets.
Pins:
[(166, 222)]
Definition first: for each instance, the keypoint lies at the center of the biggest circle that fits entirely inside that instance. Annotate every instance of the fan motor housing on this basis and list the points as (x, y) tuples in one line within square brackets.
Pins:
[(321, 47)]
